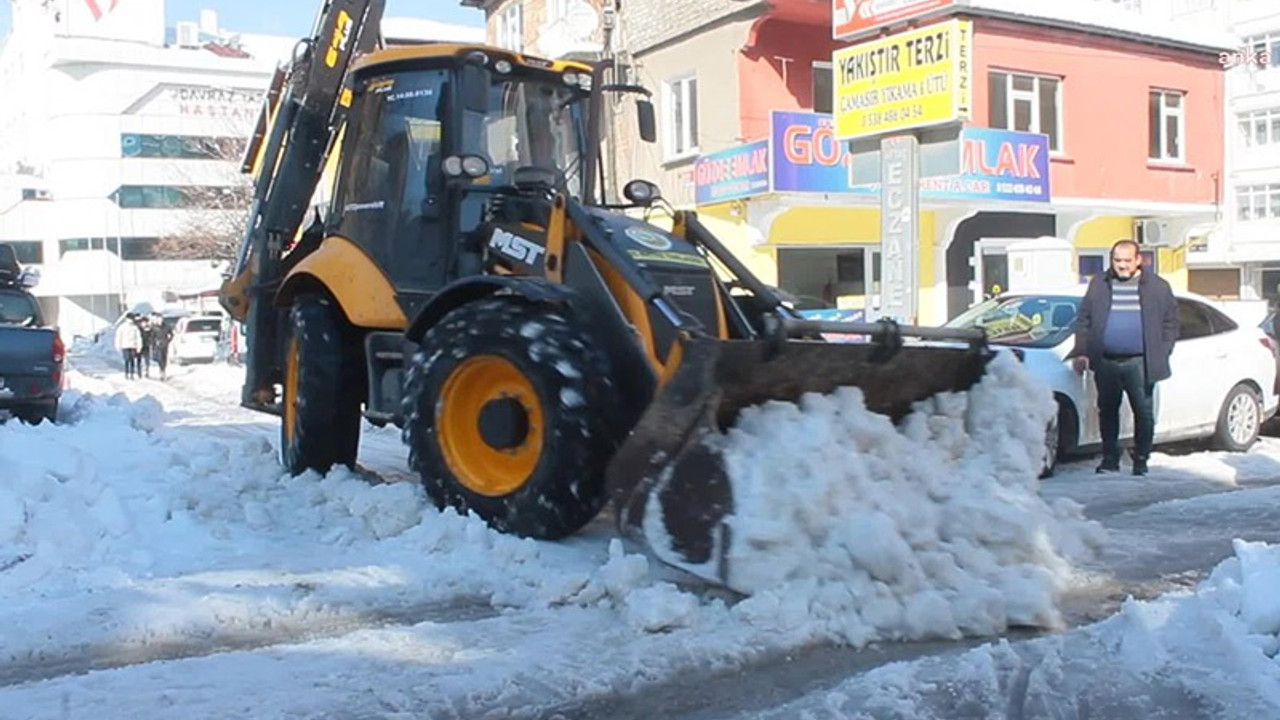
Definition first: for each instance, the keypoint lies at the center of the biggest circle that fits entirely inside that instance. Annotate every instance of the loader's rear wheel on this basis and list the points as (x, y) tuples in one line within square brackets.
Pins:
[(511, 413), (322, 390)]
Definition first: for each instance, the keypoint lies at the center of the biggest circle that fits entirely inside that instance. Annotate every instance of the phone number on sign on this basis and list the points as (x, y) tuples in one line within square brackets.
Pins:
[(891, 116)]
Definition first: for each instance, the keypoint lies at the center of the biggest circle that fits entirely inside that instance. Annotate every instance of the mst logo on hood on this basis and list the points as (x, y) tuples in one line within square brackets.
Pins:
[(515, 247)]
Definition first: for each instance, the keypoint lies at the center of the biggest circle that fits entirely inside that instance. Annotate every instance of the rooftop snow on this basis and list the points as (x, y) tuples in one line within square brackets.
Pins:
[(1107, 17)]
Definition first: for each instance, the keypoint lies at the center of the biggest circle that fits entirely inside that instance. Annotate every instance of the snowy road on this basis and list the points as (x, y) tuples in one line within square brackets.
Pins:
[(159, 566)]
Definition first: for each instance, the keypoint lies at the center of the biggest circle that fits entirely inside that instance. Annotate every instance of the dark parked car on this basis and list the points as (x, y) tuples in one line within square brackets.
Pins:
[(31, 353)]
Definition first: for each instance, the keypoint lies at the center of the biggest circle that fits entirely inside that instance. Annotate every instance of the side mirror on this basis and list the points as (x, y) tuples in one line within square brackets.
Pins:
[(648, 120), (475, 88)]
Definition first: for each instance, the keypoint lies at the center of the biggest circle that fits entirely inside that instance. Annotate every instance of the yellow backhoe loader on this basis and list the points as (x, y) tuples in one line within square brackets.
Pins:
[(543, 351)]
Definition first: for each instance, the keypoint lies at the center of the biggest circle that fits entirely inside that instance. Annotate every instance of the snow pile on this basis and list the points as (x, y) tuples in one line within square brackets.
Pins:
[(933, 529)]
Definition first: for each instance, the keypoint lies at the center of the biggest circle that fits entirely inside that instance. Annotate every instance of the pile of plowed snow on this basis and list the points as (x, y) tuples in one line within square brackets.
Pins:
[(933, 528)]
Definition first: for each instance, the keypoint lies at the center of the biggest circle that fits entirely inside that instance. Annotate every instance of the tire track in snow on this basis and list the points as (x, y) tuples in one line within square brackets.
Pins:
[(127, 652)]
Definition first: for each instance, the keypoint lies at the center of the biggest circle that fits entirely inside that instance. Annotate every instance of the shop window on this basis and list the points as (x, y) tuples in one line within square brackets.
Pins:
[(1258, 202), (1028, 103), (680, 97), (27, 252), (820, 277), (1166, 125), (822, 90), (1089, 265), (1271, 284)]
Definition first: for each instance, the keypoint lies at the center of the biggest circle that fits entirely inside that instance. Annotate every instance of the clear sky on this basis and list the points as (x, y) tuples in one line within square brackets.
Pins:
[(291, 18)]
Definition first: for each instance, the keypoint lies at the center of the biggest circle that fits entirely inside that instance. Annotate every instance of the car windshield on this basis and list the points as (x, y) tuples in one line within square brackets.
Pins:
[(17, 309), (1038, 321)]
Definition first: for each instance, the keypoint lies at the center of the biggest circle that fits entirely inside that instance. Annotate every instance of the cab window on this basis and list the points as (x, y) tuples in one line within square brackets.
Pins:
[(390, 196)]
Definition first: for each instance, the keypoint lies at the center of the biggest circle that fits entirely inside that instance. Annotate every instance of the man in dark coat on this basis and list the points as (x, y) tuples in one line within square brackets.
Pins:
[(1125, 331)]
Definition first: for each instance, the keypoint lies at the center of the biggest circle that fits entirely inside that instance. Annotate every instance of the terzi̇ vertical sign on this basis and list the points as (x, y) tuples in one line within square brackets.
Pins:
[(913, 79), (899, 220)]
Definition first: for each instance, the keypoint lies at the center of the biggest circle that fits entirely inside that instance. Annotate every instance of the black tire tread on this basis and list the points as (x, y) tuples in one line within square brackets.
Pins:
[(566, 489), (328, 419)]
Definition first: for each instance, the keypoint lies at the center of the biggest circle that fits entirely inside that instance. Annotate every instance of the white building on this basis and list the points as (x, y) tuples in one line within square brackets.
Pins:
[(1243, 252), (119, 131)]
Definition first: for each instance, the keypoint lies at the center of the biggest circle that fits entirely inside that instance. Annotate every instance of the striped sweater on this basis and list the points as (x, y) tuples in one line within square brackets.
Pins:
[(1123, 331)]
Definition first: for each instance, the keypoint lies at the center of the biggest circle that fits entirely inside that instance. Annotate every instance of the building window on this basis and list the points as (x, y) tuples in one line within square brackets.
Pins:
[(1258, 202), (138, 248), (192, 197), (111, 244), (1028, 103), (511, 27), (1261, 127), (1266, 47), (1166, 123), (559, 11), (681, 100), (187, 147), (822, 91), (28, 252)]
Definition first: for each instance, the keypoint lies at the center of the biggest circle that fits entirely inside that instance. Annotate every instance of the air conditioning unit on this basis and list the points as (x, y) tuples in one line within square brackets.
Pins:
[(1148, 232), (188, 35)]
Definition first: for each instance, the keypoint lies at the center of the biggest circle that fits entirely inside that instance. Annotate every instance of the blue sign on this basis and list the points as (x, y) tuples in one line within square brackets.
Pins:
[(995, 164), (731, 174), (807, 157), (839, 315)]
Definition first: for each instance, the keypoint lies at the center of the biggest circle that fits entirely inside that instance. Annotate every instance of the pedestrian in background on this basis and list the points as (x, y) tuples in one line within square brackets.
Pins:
[(1125, 331), (144, 352), (161, 336), (129, 343)]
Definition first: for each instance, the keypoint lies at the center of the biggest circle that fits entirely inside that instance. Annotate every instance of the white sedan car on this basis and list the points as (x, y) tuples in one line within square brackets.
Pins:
[(1223, 385)]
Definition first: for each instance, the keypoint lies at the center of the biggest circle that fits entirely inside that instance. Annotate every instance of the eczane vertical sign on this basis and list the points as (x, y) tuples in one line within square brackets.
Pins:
[(899, 220)]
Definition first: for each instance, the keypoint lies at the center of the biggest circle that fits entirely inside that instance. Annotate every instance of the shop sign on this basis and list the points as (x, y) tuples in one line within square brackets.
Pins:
[(732, 174), (995, 164), (914, 79), (899, 221), (237, 106), (853, 17)]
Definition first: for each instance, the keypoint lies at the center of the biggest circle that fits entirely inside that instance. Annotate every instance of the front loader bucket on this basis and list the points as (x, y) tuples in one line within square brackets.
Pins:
[(670, 486)]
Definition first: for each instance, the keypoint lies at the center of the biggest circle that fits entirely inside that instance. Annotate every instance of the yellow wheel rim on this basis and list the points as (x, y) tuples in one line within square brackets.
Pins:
[(477, 464), (291, 392)]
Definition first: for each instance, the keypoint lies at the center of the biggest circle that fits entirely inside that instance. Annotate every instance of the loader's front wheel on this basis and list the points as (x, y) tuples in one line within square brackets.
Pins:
[(322, 390), (511, 413)]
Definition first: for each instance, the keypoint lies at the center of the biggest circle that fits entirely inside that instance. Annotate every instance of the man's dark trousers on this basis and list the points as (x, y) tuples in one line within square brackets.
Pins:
[(1117, 376)]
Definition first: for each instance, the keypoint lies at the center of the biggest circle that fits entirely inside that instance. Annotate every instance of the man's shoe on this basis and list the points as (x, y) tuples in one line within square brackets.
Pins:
[(1139, 467), (1107, 467)]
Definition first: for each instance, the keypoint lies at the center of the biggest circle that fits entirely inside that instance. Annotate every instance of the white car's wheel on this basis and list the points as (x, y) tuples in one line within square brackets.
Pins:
[(1239, 421)]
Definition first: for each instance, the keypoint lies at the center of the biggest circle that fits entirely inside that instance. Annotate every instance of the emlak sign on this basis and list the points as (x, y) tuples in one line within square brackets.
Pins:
[(994, 164), (853, 17), (732, 174)]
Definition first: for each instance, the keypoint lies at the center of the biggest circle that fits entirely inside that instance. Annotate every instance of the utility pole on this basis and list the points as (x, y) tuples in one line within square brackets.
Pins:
[(609, 21)]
